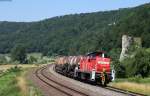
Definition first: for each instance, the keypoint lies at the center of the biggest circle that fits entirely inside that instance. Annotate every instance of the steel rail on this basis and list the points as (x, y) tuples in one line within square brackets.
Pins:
[(130, 93), (44, 76), (39, 77), (64, 86)]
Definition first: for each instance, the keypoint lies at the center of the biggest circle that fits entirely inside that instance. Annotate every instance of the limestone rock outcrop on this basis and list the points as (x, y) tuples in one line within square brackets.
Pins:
[(129, 46), (127, 41)]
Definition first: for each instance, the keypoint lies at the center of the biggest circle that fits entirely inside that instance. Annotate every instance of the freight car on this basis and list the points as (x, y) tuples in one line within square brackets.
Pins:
[(94, 67)]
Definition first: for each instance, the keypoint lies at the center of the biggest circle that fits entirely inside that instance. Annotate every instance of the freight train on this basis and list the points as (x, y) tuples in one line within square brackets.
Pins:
[(93, 67)]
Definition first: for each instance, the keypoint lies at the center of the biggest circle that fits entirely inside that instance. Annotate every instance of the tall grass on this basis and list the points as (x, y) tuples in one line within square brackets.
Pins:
[(25, 85), (134, 80), (135, 84), (135, 87)]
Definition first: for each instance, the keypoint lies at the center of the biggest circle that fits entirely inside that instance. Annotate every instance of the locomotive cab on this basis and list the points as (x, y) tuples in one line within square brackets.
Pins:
[(96, 66)]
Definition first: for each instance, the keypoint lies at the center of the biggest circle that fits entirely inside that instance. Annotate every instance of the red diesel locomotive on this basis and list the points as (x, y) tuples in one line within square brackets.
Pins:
[(94, 66)]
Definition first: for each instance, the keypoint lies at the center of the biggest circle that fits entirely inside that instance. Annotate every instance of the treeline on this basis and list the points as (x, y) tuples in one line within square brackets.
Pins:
[(78, 33)]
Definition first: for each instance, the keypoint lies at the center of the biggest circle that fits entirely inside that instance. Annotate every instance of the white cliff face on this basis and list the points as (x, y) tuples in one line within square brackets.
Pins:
[(126, 43)]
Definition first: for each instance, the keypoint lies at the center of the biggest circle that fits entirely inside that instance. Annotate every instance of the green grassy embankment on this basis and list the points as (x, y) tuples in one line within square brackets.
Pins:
[(139, 85), (13, 82), (8, 83)]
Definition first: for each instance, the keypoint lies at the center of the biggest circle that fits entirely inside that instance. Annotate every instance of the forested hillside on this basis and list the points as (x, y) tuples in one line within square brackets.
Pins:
[(78, 33)]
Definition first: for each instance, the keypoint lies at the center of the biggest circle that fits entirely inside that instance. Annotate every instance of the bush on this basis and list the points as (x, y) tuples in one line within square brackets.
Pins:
[(3, 60), (14, 69), (139, 64), (32, 60), (119, 69)]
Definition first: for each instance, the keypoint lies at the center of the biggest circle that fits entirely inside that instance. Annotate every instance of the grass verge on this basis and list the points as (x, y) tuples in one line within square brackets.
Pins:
[(8, 84), (30, 89), (13, 82), (138, 85)]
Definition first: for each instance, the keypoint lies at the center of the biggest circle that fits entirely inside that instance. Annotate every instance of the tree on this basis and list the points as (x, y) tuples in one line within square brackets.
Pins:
[(139, 64), (119, 69), (32, 59), (18, 53)]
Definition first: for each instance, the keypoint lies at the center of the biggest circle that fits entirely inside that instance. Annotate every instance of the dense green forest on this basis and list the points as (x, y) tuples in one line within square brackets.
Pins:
[(78, 33)]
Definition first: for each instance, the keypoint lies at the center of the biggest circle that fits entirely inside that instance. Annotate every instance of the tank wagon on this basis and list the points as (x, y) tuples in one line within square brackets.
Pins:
[(94, 67)]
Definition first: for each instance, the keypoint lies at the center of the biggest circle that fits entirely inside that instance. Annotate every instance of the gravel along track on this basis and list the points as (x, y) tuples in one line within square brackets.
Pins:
[(41, 74), (86, 88), (41, 84), (54, 84), (114, 90)]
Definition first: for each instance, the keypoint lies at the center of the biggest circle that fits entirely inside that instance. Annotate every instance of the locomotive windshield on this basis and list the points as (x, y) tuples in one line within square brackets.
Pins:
[(94, 54)]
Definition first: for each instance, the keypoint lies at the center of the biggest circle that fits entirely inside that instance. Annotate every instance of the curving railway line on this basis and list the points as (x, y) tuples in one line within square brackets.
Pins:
[(128, 93), (40, 73), (47, 79)]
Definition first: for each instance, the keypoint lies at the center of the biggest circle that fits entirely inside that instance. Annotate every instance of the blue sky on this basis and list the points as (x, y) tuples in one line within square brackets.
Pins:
[(34, 10)]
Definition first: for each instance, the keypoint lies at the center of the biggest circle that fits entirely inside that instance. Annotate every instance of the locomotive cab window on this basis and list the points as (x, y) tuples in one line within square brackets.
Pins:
[(92, 56)]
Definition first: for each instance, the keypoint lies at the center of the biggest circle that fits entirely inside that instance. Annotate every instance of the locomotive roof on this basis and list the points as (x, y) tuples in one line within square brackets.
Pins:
[(97, 52)]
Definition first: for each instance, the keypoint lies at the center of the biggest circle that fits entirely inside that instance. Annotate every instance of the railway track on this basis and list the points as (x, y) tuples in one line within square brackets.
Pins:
[(51, 82), (128, 93)]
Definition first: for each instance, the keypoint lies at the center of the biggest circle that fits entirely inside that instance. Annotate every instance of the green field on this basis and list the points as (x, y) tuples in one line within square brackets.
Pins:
[(13, 82)]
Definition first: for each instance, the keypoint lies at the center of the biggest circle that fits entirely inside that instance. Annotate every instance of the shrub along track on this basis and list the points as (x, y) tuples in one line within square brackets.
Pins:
[(50, 81)]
